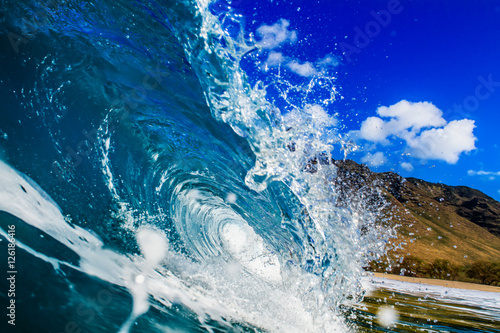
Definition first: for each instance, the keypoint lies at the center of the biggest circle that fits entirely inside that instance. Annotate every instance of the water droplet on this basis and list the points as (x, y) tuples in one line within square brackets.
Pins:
[(139, 279), (387, 316), (231, 198)]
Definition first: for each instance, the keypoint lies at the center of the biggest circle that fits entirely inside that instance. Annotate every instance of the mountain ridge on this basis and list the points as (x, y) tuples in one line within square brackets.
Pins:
[(434, 220)]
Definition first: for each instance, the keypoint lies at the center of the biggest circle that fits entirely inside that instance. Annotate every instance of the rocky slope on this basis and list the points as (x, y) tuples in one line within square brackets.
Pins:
[(436, 221)]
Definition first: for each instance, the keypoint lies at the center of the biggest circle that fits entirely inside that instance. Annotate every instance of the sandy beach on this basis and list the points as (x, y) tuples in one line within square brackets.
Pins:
[(436, 282)]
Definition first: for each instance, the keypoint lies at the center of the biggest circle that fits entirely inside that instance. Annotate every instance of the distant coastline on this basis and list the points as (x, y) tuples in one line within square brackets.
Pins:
[(437, 282)]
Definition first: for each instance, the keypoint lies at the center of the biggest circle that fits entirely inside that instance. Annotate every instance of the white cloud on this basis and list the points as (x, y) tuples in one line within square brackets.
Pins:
[(273, 59), (372, 129), (483, 173), (423, 129), (407, 166), (374, 160), (306, 69), (405, 118), (445, 143), (408, 115), (328, 61), (274, 35), (311, 114), (319, 117)]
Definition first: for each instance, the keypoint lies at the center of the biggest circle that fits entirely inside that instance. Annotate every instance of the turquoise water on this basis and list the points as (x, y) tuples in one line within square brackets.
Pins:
[(153, 188)]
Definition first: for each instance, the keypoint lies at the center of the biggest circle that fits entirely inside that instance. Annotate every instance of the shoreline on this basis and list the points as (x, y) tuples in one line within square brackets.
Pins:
[(437, 282)]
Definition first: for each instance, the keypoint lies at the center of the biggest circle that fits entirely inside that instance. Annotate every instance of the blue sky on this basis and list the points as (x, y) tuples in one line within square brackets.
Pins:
[(418, 81)]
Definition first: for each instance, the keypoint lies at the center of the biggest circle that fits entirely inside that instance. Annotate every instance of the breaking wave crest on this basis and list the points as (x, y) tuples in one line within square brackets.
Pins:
[(188, 187)]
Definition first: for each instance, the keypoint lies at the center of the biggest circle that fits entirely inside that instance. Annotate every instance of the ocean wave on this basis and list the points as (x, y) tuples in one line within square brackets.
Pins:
[(236, 193)]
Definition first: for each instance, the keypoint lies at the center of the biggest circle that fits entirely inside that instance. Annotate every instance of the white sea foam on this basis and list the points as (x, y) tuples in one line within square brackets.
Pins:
[(483, 299), (212, 288), (249, 250)]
